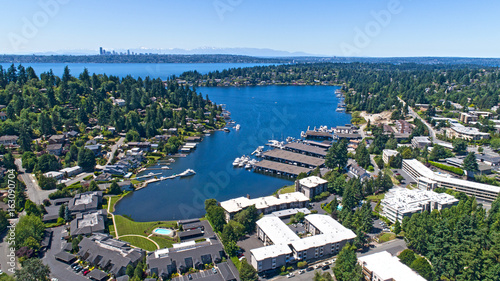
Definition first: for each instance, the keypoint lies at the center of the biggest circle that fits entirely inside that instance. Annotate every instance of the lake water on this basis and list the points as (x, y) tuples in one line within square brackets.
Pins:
[(264, 113), (154, 70), (271, 112)]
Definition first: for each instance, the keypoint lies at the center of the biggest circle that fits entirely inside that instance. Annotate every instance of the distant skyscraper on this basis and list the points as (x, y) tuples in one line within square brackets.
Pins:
[(100, 50), (128, 52)]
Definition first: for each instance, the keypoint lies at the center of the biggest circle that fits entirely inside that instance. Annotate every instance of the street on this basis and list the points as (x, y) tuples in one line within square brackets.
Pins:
[(114, 147), (33, 190)]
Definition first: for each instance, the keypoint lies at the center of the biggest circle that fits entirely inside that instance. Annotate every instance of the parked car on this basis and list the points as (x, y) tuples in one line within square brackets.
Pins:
[(326, 267), (290, 275), (310, 268), (317, 266), (86, 272), (190, 277), (302, 271), (214, 270)]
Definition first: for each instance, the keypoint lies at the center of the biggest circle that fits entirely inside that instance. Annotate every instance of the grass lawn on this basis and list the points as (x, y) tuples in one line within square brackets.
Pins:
[(142, 243), (376, 198), (287, 189), (386, 237), (236, 262), (126, 226)]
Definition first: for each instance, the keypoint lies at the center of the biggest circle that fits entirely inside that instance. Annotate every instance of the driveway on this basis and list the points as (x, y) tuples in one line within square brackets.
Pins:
[(114, 147), (58, 269), (78, 178)]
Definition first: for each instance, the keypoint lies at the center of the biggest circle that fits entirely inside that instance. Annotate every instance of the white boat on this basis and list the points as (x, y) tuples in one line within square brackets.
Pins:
[(236, 162), (237, 127), (186, 173), (248, 166), (226, 130), (166, 167)]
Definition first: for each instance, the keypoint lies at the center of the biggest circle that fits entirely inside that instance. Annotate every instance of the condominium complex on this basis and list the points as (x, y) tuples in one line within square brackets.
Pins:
[(265, 205), (427, 179), (311, 186), (282, 245), (384, 267), (401, 202), (387, 154), (466, 133)]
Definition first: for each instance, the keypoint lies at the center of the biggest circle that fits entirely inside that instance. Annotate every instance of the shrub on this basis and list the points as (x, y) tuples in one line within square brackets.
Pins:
[(448, 168), (302, 264)]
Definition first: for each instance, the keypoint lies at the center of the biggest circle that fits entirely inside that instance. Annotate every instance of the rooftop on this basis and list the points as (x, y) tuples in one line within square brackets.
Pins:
[(276, 230), (406, 200), (270, 251), (387, 267), (237, 204), (281, 167), (306, 148), (294, 157), (312, 181)]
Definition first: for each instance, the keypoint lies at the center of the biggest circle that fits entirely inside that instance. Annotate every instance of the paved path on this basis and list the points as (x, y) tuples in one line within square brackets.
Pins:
[(137, 235), (78, 178)]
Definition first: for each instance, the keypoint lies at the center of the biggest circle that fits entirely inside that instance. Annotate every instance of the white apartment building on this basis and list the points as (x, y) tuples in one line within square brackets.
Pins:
[(401, 202), (427, 179), (384, 267)]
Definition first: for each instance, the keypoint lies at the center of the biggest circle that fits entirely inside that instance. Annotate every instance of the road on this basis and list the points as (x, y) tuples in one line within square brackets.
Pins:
[(78, 178), (33, 190), (114, 147), (432, 133)]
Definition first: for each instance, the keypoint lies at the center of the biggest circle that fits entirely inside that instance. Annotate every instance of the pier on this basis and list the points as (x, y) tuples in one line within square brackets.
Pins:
[(306, 149), (293, 158), (280, 168), (318, 135), (324, 145)]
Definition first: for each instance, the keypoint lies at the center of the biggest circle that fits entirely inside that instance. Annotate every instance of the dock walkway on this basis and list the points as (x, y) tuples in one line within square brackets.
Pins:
[(283, 169), (293, 158)]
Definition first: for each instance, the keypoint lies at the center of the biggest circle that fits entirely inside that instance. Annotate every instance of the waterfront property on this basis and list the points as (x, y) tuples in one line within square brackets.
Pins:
[(311, 186), (265, 205), (401, 202), (429, 180), (109, 254), (293, 158), (384, 267), (282, 245), (280, 168), (310, 150)]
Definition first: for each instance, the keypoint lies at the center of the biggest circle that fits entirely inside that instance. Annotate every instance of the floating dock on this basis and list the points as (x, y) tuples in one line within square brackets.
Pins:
[(306, 149), (280, 168), (293, 158)]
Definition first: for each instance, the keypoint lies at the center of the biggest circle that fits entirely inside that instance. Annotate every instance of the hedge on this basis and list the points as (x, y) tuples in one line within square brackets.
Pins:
[(452, 169)]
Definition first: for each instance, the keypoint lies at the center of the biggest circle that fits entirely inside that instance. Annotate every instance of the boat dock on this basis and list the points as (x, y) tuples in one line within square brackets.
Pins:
[(148, 176), (292, 158), (280, 168), (325, 145), (310, 134), (306, 149)]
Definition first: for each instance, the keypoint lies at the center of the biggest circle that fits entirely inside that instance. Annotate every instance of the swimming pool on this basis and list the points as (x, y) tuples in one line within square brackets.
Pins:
[(163, 231)]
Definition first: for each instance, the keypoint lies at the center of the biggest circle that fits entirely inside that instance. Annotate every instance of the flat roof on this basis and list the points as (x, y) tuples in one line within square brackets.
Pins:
[(388, 267), (306, 148), (276, 230), (294, 157), (237, 204), (270, 251), (281, 167), (312, 181), (426, 172)]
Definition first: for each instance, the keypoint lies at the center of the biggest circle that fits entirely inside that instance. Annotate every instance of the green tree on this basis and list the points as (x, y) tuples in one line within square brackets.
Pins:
[(114, 188), (247, 217), (86, 159), (247, 272), (28, 226), (216, 216), (407, 257), (470, 163), (495, 143), (422, 266), (94, 187), (362, 156), (31, 208), (346, 267), (130, 271), (3, 220), (33, 270), (397, 227), (336, 156), (459, 146)]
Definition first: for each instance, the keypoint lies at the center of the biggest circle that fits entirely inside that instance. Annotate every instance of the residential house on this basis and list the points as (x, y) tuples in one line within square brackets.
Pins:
[(55, 149), (9, 140)]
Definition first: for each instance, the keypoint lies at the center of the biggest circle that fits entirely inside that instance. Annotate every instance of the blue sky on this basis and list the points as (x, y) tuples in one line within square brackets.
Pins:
[(326, 27)]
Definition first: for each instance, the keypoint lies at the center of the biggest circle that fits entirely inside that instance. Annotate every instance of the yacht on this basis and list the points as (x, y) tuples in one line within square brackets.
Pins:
[(237, 127), (226, 130), (236, 162)]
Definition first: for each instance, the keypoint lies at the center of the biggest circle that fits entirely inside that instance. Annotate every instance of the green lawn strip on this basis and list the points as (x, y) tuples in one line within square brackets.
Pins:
[(287, 189), (164, 242), (386, 237), (141, 242), (375, 198), (126, 226)]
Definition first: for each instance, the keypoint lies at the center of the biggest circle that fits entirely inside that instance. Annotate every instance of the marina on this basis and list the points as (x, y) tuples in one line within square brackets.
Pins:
[(293, 158), (280, 169), (306, 149)]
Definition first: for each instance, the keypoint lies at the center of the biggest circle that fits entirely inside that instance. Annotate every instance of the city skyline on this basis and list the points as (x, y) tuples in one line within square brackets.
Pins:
[(366, 28)]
